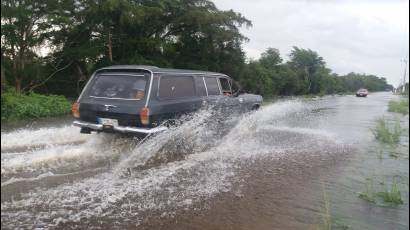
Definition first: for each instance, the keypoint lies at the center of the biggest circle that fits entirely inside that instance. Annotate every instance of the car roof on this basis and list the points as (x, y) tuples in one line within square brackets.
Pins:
[(157, 70)]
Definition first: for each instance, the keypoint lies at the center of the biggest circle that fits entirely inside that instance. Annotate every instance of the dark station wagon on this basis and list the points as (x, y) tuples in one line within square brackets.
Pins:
[(139, 99)]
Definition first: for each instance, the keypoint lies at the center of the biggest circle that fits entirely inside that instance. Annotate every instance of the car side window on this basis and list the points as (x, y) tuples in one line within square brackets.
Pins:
[(171, 87), (200, 86), (212, 86), (225, 86)]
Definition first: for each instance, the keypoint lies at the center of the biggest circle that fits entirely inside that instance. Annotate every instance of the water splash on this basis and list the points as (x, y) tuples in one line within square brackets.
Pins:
[(186, 164), (28, 138), (64, 158)]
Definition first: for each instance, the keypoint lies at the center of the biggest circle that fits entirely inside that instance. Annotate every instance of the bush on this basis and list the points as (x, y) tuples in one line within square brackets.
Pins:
[(401, 106), (17, 107), (393, 195), (386, 134)]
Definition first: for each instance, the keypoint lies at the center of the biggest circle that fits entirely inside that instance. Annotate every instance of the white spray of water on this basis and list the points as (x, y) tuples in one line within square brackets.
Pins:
[(57, 157), (43, 136)]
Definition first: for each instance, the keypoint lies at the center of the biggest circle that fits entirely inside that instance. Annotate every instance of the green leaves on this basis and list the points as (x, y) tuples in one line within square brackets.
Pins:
[(304, 73), (355, 81), (16, 107)]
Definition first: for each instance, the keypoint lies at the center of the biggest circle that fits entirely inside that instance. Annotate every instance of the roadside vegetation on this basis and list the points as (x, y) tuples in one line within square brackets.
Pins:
[(401, 106), (17, 107), (368, 194), (390, 196), (327, 220), (388, 133)]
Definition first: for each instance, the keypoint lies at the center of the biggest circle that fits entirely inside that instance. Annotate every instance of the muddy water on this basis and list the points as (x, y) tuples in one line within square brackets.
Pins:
[(265, 170)]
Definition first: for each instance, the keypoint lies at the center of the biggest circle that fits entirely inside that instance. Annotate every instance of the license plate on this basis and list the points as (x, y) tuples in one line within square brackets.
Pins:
[(108, 122)]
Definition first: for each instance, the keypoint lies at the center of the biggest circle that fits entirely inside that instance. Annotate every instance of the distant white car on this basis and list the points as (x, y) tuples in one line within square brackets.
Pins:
[(362, 93)]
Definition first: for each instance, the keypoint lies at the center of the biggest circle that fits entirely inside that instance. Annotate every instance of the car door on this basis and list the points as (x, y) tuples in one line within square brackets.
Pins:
[(177, 96), (214, 94), (233, 104), (201, 90)]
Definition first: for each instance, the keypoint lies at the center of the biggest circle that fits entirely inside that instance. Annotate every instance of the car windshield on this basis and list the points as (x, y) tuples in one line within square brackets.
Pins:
[(118, 86)]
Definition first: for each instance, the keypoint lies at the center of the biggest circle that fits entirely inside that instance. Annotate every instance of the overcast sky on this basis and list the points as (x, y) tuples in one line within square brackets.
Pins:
[(364, 36)]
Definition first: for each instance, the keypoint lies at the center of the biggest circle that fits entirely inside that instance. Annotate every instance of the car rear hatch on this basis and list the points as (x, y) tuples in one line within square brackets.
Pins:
[(116, 97)]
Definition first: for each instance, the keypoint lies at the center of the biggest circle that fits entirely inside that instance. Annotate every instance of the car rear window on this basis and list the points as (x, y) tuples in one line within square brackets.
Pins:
[(212, 86), (176, 87), (117, 86)]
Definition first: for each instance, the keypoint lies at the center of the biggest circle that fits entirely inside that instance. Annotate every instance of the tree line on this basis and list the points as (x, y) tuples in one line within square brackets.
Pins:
[(53, 46), (304, 73)]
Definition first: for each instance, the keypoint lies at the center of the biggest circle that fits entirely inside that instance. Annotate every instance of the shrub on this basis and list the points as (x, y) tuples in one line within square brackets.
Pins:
[(401, 106), (387, 135), (16, 107), (392, 196)]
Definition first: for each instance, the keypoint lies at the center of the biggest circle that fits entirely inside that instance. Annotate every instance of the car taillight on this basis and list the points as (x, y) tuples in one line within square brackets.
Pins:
[(75, 109), (144, 116)]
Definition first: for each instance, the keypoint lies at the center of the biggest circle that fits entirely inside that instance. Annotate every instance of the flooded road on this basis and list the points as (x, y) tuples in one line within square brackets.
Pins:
[(277, 168)]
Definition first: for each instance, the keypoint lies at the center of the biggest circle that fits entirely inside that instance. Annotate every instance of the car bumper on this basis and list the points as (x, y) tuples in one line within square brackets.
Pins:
[(121, 129)]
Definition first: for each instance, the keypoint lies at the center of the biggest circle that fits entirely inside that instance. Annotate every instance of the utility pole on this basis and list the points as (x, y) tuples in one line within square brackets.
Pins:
[(405, 72)]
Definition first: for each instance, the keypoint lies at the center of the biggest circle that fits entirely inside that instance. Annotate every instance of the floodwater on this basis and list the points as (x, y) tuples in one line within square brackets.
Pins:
[(277, 168)]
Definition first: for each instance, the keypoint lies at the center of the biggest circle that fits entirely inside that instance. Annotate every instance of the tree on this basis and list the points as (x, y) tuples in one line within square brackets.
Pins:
[(24, 25), (354, 81), (308, 64), (191, 34), (270, 58)]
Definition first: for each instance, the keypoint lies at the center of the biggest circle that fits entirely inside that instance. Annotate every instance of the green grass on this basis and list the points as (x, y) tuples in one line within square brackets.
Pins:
[(401, 106), (19, 107), (392, 196), (369, 194), (387, 134), (327, 221)]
